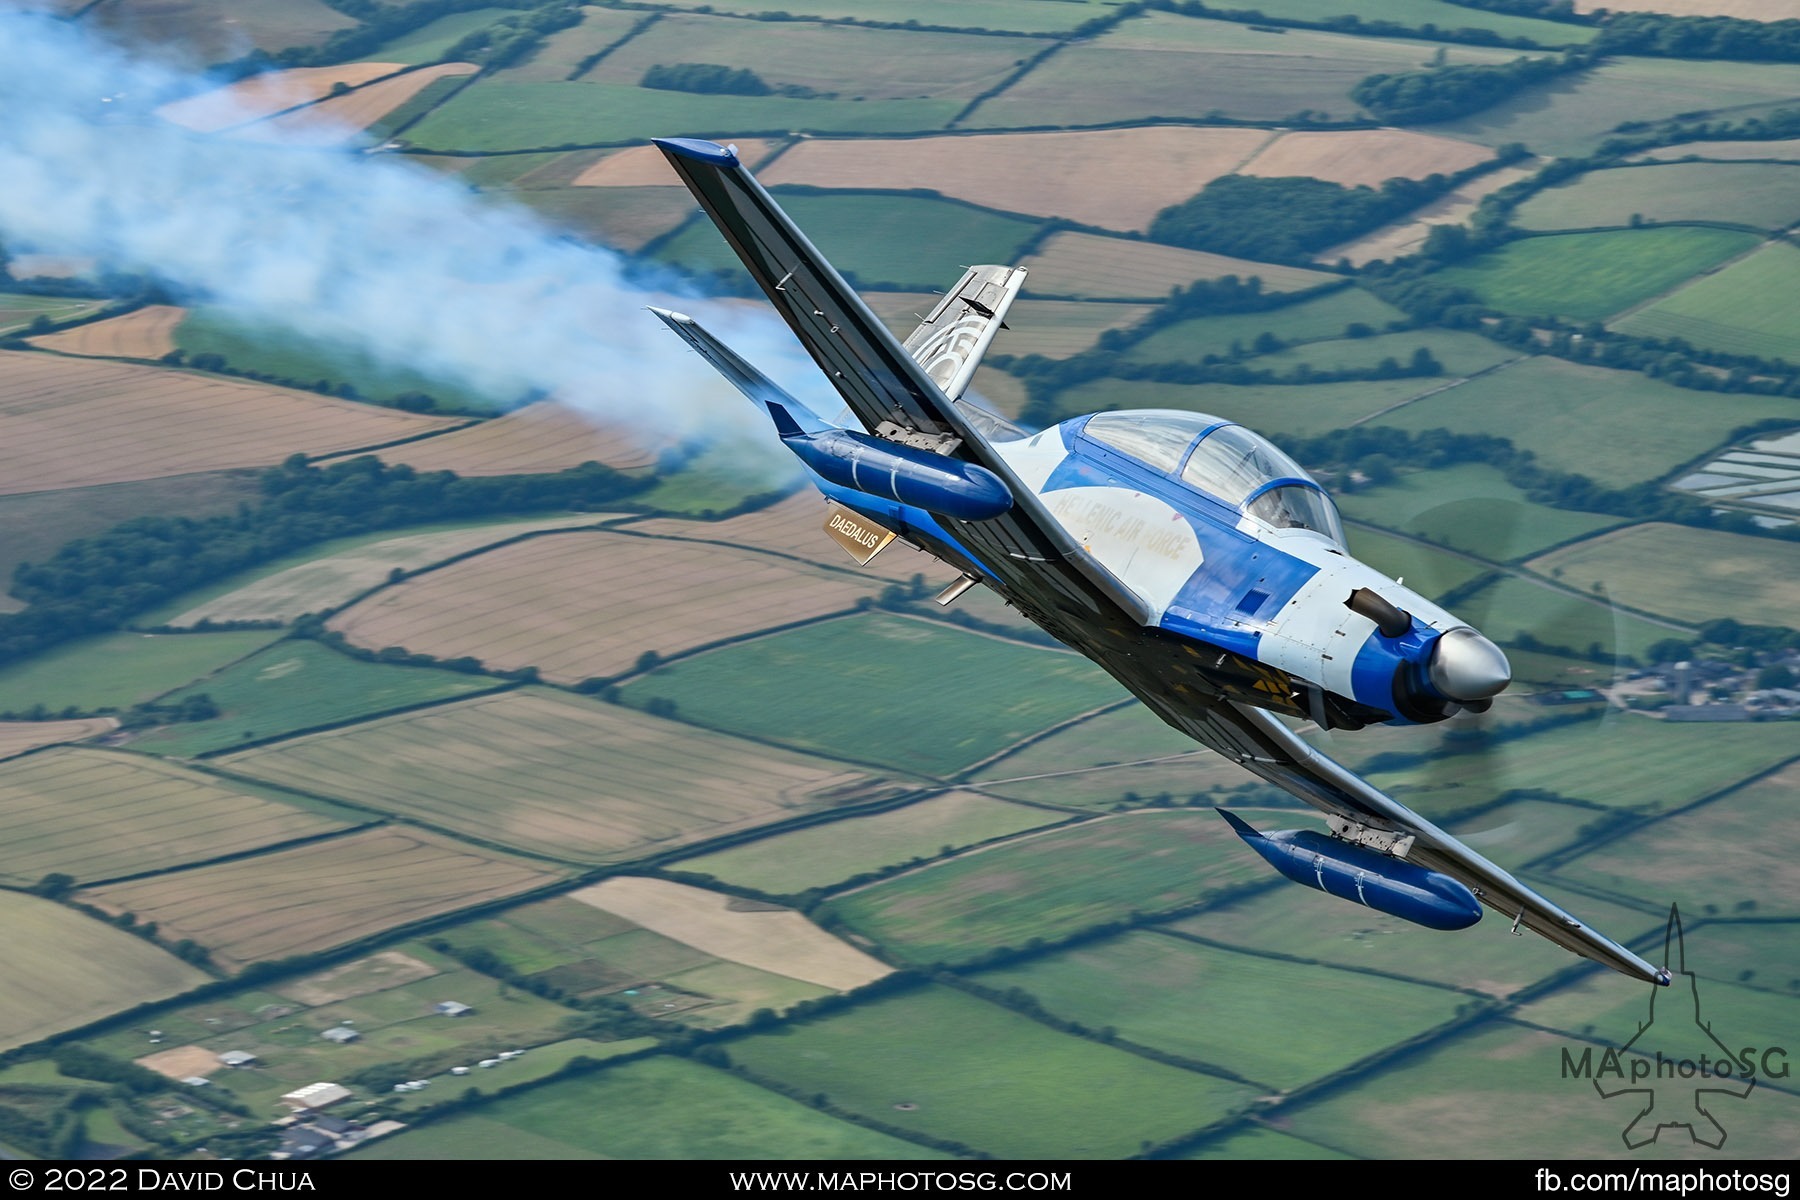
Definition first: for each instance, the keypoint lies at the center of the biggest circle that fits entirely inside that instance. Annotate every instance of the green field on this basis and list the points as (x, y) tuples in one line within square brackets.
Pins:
[(1615, 427), (1427, 571), (429, 43), (1486, 959), (1164, 65), (1103, 760), (1747, 308), (1745, 872), (1514, 607), (1051, 885), (1468, 507), (826, 854), (1590, 276), (492, 116), (1756, 580), (1150, 986), (1420, 13), (1762, 195), (1023, 16), (283, 355), (121, 669), (298, 685), (812, 688), (561, 54), (841, 62), (659, 1108), (64, 970), (19, 309), (558, 776), (1624, 761), (875, 238), (1572, 114), (1274, 409), (1262, 1143), (952, 1066), (1311, 320), (1457, 353), (97, 815), (1442, 1104)]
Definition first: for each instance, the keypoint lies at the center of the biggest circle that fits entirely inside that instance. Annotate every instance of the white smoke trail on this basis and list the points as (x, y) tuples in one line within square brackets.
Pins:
[(368, 251)]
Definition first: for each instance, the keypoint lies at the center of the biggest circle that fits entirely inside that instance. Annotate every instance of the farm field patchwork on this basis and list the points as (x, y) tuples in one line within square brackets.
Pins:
[(92, 814), (947, 1064), (1426, 570), (1750, 10), (1150, 987), (794, 527), (837, 62), (148, 332), (320, 895), (1777, 149), (537, 439), (1051, 885), (1575, 618), (336, 572), (1327, 316), (625, 218), (579, 605), (1113, 178), (811, 687), (430, 42), (116, 670), (213, 30), (1762, 195), (1363, 157), (1089, 266), (1407, 237), (1121, 736), (1164, 65), (1746, 308), (1756, 580), (822, 855), (1590, 276), (490, 116), (561, 55), (1570, 115), (65, 969), (1420, 13), (269, 93), (1623, 760), (658, 1108), (1458, 353), (645, 166), (1553, 408), (1029, 17), (559, 776), (780, 941), (1747, 868), (341, 119), (69, 423), (1469, 507), (295, 685)]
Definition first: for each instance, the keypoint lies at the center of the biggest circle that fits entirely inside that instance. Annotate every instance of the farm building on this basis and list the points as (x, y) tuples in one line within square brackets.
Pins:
[(453, 1008), (341, 1034), (237, 1058), (316, 1095)]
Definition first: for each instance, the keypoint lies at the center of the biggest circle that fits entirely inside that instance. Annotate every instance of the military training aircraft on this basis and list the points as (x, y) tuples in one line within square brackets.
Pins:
[(1186, 555)]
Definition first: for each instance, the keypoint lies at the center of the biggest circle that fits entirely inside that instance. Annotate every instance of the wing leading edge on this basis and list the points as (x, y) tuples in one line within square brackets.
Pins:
[(1028, 557)]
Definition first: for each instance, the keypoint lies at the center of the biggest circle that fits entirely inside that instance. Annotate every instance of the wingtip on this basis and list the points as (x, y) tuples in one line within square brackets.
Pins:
[(698, 149)]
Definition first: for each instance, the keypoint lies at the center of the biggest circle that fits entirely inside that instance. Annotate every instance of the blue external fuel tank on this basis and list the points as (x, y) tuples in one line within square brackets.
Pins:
[(945, 486), (1368, 877)]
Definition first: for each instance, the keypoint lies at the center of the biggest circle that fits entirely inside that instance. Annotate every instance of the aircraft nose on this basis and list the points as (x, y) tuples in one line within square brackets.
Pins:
[(1466, 666)]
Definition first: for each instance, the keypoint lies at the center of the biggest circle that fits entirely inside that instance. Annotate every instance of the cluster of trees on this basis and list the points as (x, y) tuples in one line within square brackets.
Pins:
[(1445, 93), (1349, 23), (714, 79), (1289, 218), (377, 23), (1662, 35), (97, 583)]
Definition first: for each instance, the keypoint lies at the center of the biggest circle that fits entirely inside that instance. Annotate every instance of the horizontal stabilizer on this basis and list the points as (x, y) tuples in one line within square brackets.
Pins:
[(746, 378)]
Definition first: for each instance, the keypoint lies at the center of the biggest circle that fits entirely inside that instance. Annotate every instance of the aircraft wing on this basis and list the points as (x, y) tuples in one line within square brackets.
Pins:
[(1032, 561), (1260, 743), (1025, 550)]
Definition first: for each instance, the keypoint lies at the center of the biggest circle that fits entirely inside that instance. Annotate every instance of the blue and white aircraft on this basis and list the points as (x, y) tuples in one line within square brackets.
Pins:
[(1186, 555)]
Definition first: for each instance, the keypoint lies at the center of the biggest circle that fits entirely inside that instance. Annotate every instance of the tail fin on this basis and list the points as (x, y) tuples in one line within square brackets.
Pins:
[(950, 341)]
